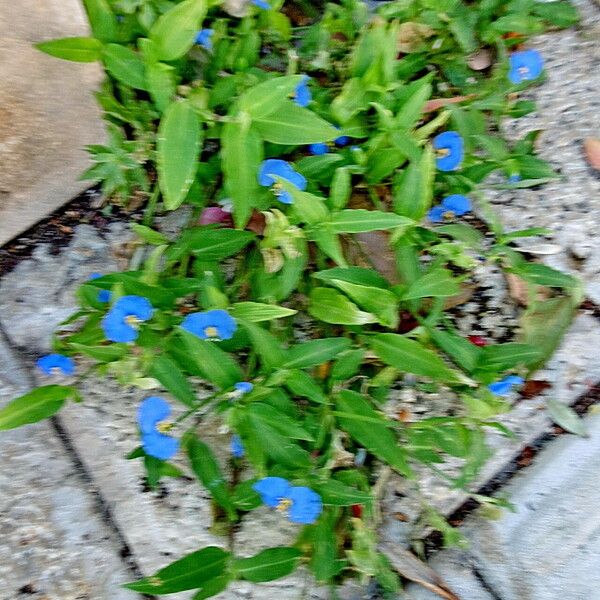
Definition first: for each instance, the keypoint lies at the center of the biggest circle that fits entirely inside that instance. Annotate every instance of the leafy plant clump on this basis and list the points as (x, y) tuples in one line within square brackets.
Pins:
[(332, 159)]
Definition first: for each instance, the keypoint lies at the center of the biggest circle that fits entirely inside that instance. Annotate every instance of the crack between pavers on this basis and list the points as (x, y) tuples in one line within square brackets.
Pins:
[(125, 552), (484, 583)]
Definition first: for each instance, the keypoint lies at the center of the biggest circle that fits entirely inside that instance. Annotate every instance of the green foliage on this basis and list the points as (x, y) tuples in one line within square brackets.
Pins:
[(338, 283)]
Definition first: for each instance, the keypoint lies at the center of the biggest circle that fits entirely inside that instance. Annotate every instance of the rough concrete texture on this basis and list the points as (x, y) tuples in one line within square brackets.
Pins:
[(54, 544), (567, 112), (549, 548), (47, 112)]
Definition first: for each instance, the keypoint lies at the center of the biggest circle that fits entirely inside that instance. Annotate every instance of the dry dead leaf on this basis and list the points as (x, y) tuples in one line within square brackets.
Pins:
[(409, 566), (411, 35), (592, 152), (438, 103), (465, 295), (518, 289), (480, 60)]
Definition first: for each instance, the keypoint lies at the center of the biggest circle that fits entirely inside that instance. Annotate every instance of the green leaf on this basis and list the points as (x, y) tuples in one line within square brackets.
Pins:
[(294, 125), (206, 468), (214, 364), (77, 49), (102, 353), (270, 564), (268, 348), (102, 20), (315, 352), (160, 80), (175, 31), (177, 145), (461, 351), (277, 420), (347, 365), (267, 97), (500, 357), (543, 275), (124, 65), (340, 190), (373, 432), (34, 406), (413, 189), (148, 235), (256, 312), (559, 13), (213, 587), (244, 497), (339, 494), (361, 220), (328, 242), (188, 573), (543, 326), (330, 306), (323, 563), (566, 417), (209, 244), (357, 275), (302, 384), (241, 156), (436, 283), (169, 374), (411, 110), (380, 302), (409, 356)]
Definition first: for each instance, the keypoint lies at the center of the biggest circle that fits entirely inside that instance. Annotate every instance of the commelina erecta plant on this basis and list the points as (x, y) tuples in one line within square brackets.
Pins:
[(332, 161)]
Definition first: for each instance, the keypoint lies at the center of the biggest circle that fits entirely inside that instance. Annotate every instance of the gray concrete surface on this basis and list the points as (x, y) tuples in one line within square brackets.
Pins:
[(47, 112), (549, 549)]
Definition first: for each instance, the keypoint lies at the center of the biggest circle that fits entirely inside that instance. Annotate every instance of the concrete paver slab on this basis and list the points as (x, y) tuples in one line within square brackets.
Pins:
[(47, 112)]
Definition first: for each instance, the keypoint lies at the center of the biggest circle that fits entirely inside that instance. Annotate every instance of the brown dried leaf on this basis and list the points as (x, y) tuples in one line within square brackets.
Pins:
[(411, 35), (592, 152), (465, 295), (409, 566), (375, 247), (480, 60), (438, 103), (534, 387), (518, 289)]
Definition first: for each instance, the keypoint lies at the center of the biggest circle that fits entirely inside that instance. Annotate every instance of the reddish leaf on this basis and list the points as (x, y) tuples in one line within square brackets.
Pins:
[(592, 152)]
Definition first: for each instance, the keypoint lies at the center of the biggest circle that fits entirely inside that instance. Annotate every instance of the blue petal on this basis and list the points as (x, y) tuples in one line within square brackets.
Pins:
[(302, 94), (453, 142), (531, 60), (436, 214), (151, 411), (285, 197), (116, 329), (272, 490), (236, 446), (306, 505), (343, 140), (273, 166), (514, 178), (136, 306), (56, 361), (94, 276), (457, 203), (196, 323), (243, 386), (160, 445), (318, 149), (203, 38), (221, 320), (104, 296), (261, 4), (504, 386)]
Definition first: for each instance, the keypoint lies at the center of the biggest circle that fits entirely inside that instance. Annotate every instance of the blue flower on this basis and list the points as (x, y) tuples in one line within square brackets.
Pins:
[(504, 386), (261, 4), (121, 321), (319, 149), (301, 504), (236, 446), (215, 324), (343, 140), (204, 38), (52, 364), (243, 387), (449, 150), (103, 295), (302, 95), (454, 205), (283, 169), (514, 178), (525, 65), (151, 418)]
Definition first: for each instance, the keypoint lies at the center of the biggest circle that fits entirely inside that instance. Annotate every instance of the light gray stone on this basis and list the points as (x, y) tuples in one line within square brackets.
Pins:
[(549, 548), (47, 112)]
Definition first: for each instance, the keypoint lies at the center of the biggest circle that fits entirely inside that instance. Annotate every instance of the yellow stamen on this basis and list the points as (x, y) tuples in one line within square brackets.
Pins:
[(277, 188), (132, 320), (211, 332), (284, 505), (56, 371), (448, 215), (164, 426), (441, 152)]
